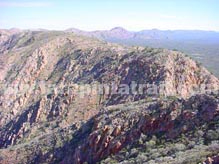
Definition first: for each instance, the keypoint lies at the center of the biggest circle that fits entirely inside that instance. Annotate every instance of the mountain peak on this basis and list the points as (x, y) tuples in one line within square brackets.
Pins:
[(118, 29)]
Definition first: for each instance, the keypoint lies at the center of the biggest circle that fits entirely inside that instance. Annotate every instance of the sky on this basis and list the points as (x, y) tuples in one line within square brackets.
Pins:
[(91, 15)]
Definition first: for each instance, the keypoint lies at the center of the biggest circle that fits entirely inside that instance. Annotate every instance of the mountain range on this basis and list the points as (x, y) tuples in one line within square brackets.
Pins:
[(119, 33), (52, 112), (202, 46)]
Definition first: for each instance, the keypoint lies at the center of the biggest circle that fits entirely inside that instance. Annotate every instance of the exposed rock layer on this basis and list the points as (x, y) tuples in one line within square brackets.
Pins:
[(43, 117)]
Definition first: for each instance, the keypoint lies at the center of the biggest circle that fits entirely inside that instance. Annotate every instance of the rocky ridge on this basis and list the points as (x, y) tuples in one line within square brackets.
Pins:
[(43, 115)]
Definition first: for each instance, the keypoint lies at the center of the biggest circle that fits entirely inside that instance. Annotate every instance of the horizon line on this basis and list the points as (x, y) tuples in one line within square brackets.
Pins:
[(108, 29)]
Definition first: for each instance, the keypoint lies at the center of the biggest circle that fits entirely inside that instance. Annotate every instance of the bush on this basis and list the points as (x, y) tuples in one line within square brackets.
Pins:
[(212, 135)]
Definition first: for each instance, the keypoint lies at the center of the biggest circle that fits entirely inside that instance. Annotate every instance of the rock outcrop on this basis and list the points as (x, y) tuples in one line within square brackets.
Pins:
[(120, 126), (51, 112)]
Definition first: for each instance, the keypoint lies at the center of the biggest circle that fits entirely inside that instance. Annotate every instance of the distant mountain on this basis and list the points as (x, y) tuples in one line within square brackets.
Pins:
[(115, 33), (202, 46), (119, 33)]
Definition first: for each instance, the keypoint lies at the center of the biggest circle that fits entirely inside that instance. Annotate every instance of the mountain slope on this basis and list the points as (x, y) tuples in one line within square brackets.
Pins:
[(133, 132), (200, 45), (45, 117)]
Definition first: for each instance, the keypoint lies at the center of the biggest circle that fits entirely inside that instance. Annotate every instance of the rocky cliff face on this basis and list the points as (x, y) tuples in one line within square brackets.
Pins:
[(124, 125), (46, 117)]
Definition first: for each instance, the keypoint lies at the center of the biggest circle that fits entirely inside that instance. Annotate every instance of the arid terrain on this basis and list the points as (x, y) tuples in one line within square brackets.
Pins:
[(47, 115), (202, 46)]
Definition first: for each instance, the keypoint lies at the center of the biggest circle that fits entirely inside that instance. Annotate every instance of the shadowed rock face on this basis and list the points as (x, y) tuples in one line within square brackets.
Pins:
[(43, 117), (121, 126)]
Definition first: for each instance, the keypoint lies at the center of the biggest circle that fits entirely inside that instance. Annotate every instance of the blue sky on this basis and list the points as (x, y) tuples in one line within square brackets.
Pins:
[(105, 14)]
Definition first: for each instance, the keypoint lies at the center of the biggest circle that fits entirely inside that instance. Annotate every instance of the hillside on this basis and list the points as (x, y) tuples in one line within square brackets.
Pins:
[(48, 116), (200, 45)]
